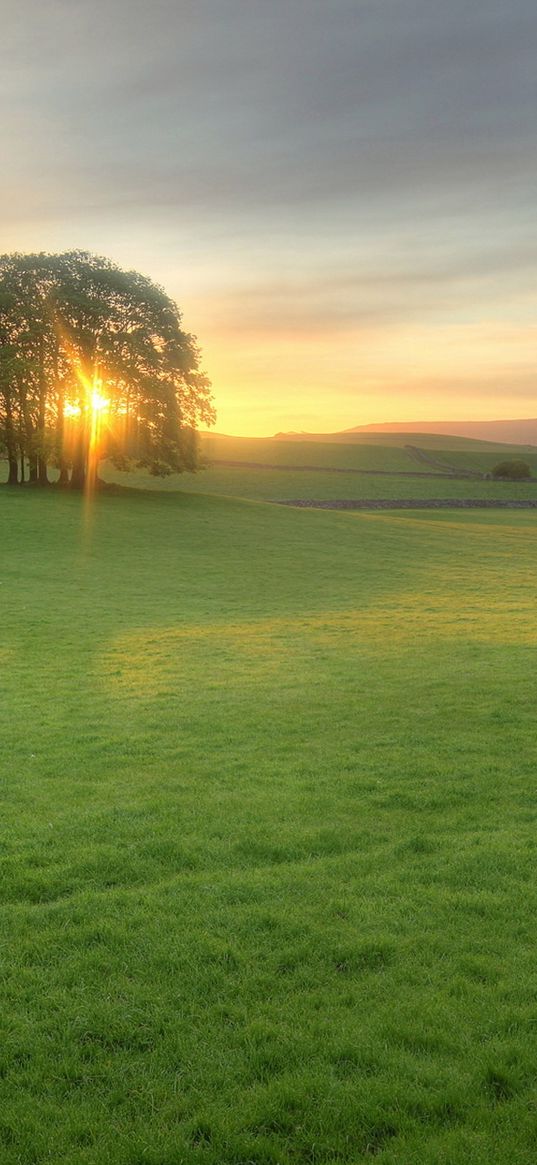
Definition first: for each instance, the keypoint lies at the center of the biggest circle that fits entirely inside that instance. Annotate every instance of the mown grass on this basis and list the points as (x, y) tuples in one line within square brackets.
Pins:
[(268, 854)]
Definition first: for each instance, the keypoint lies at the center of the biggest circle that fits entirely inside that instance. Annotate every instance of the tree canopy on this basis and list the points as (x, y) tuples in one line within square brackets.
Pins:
[(94, 362)]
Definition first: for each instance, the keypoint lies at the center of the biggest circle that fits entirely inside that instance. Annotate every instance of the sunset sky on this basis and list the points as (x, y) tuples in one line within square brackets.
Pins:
[(339, 193)]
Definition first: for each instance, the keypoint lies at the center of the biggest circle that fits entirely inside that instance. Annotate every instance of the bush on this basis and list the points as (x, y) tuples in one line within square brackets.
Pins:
[(512, 470)]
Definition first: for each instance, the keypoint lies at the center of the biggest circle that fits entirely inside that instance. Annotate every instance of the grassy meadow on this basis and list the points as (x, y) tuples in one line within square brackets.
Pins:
[(372, 451), (283, 484), (268, 849), (272, 470)]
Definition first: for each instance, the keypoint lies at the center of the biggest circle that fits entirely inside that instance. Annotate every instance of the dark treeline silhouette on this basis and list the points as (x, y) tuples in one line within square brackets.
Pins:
[(93, 362)]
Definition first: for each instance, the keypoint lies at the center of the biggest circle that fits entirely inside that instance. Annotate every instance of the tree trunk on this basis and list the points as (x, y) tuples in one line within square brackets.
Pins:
[(78, 472), (11, 444), (42, 475), (22, 468), (59, 441), (78, 475), (27, 436), (60, 459), (80, 459), (42, 471)]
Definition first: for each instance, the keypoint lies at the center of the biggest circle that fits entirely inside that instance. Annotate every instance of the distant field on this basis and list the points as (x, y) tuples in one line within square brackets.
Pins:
[(367, 451), (279, 484), (385, 438), (365, 454), (268, 855), (383, 452), (349, 456), (485, 460)]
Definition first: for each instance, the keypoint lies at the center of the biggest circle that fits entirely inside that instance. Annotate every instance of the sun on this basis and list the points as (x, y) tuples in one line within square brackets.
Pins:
[(98, 403)]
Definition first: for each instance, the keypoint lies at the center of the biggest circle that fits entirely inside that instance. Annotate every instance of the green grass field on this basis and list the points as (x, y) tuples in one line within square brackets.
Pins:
[(384, 437), (352, 455), (268, 849), (284, 484), (382, 451), (399, 476), (387, 470), (483, 460)]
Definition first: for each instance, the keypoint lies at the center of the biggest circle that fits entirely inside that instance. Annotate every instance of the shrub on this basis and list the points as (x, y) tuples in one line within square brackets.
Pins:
[(512, 470)]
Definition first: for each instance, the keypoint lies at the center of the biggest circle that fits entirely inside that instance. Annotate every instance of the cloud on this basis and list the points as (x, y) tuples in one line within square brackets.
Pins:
[(495, 282), (249, 106), (292, 169)]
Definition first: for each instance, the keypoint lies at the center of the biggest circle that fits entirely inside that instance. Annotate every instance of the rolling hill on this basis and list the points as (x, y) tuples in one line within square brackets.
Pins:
[(510, 432)]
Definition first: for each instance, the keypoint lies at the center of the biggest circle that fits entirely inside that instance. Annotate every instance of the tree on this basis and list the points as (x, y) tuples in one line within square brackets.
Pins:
[(512, 470), (94, 362)]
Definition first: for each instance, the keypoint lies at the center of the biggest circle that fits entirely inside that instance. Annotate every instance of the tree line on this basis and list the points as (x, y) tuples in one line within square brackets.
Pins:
[(94, 362)]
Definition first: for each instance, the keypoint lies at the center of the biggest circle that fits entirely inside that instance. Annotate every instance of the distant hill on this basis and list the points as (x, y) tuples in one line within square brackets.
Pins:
[(493, 433), (519, 432)]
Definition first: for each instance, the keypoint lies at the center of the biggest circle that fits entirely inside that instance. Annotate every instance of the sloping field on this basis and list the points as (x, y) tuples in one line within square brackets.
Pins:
[(271, 469), (381, 451), (485, 460), (282, 484), (352, 455), (268, 859), (414, 466), (387, 438)]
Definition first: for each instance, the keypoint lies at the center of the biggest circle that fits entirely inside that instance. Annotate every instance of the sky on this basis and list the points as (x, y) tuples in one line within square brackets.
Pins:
[(340, 194)]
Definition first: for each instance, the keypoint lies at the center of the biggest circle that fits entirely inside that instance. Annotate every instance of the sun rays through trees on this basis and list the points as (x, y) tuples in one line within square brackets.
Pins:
[(93, 363)]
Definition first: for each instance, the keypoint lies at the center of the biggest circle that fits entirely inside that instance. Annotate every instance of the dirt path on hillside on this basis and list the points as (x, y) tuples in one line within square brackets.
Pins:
[(425, 457)]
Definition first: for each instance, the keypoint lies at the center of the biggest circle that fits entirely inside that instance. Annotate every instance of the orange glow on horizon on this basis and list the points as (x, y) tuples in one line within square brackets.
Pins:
[(269, 382)]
